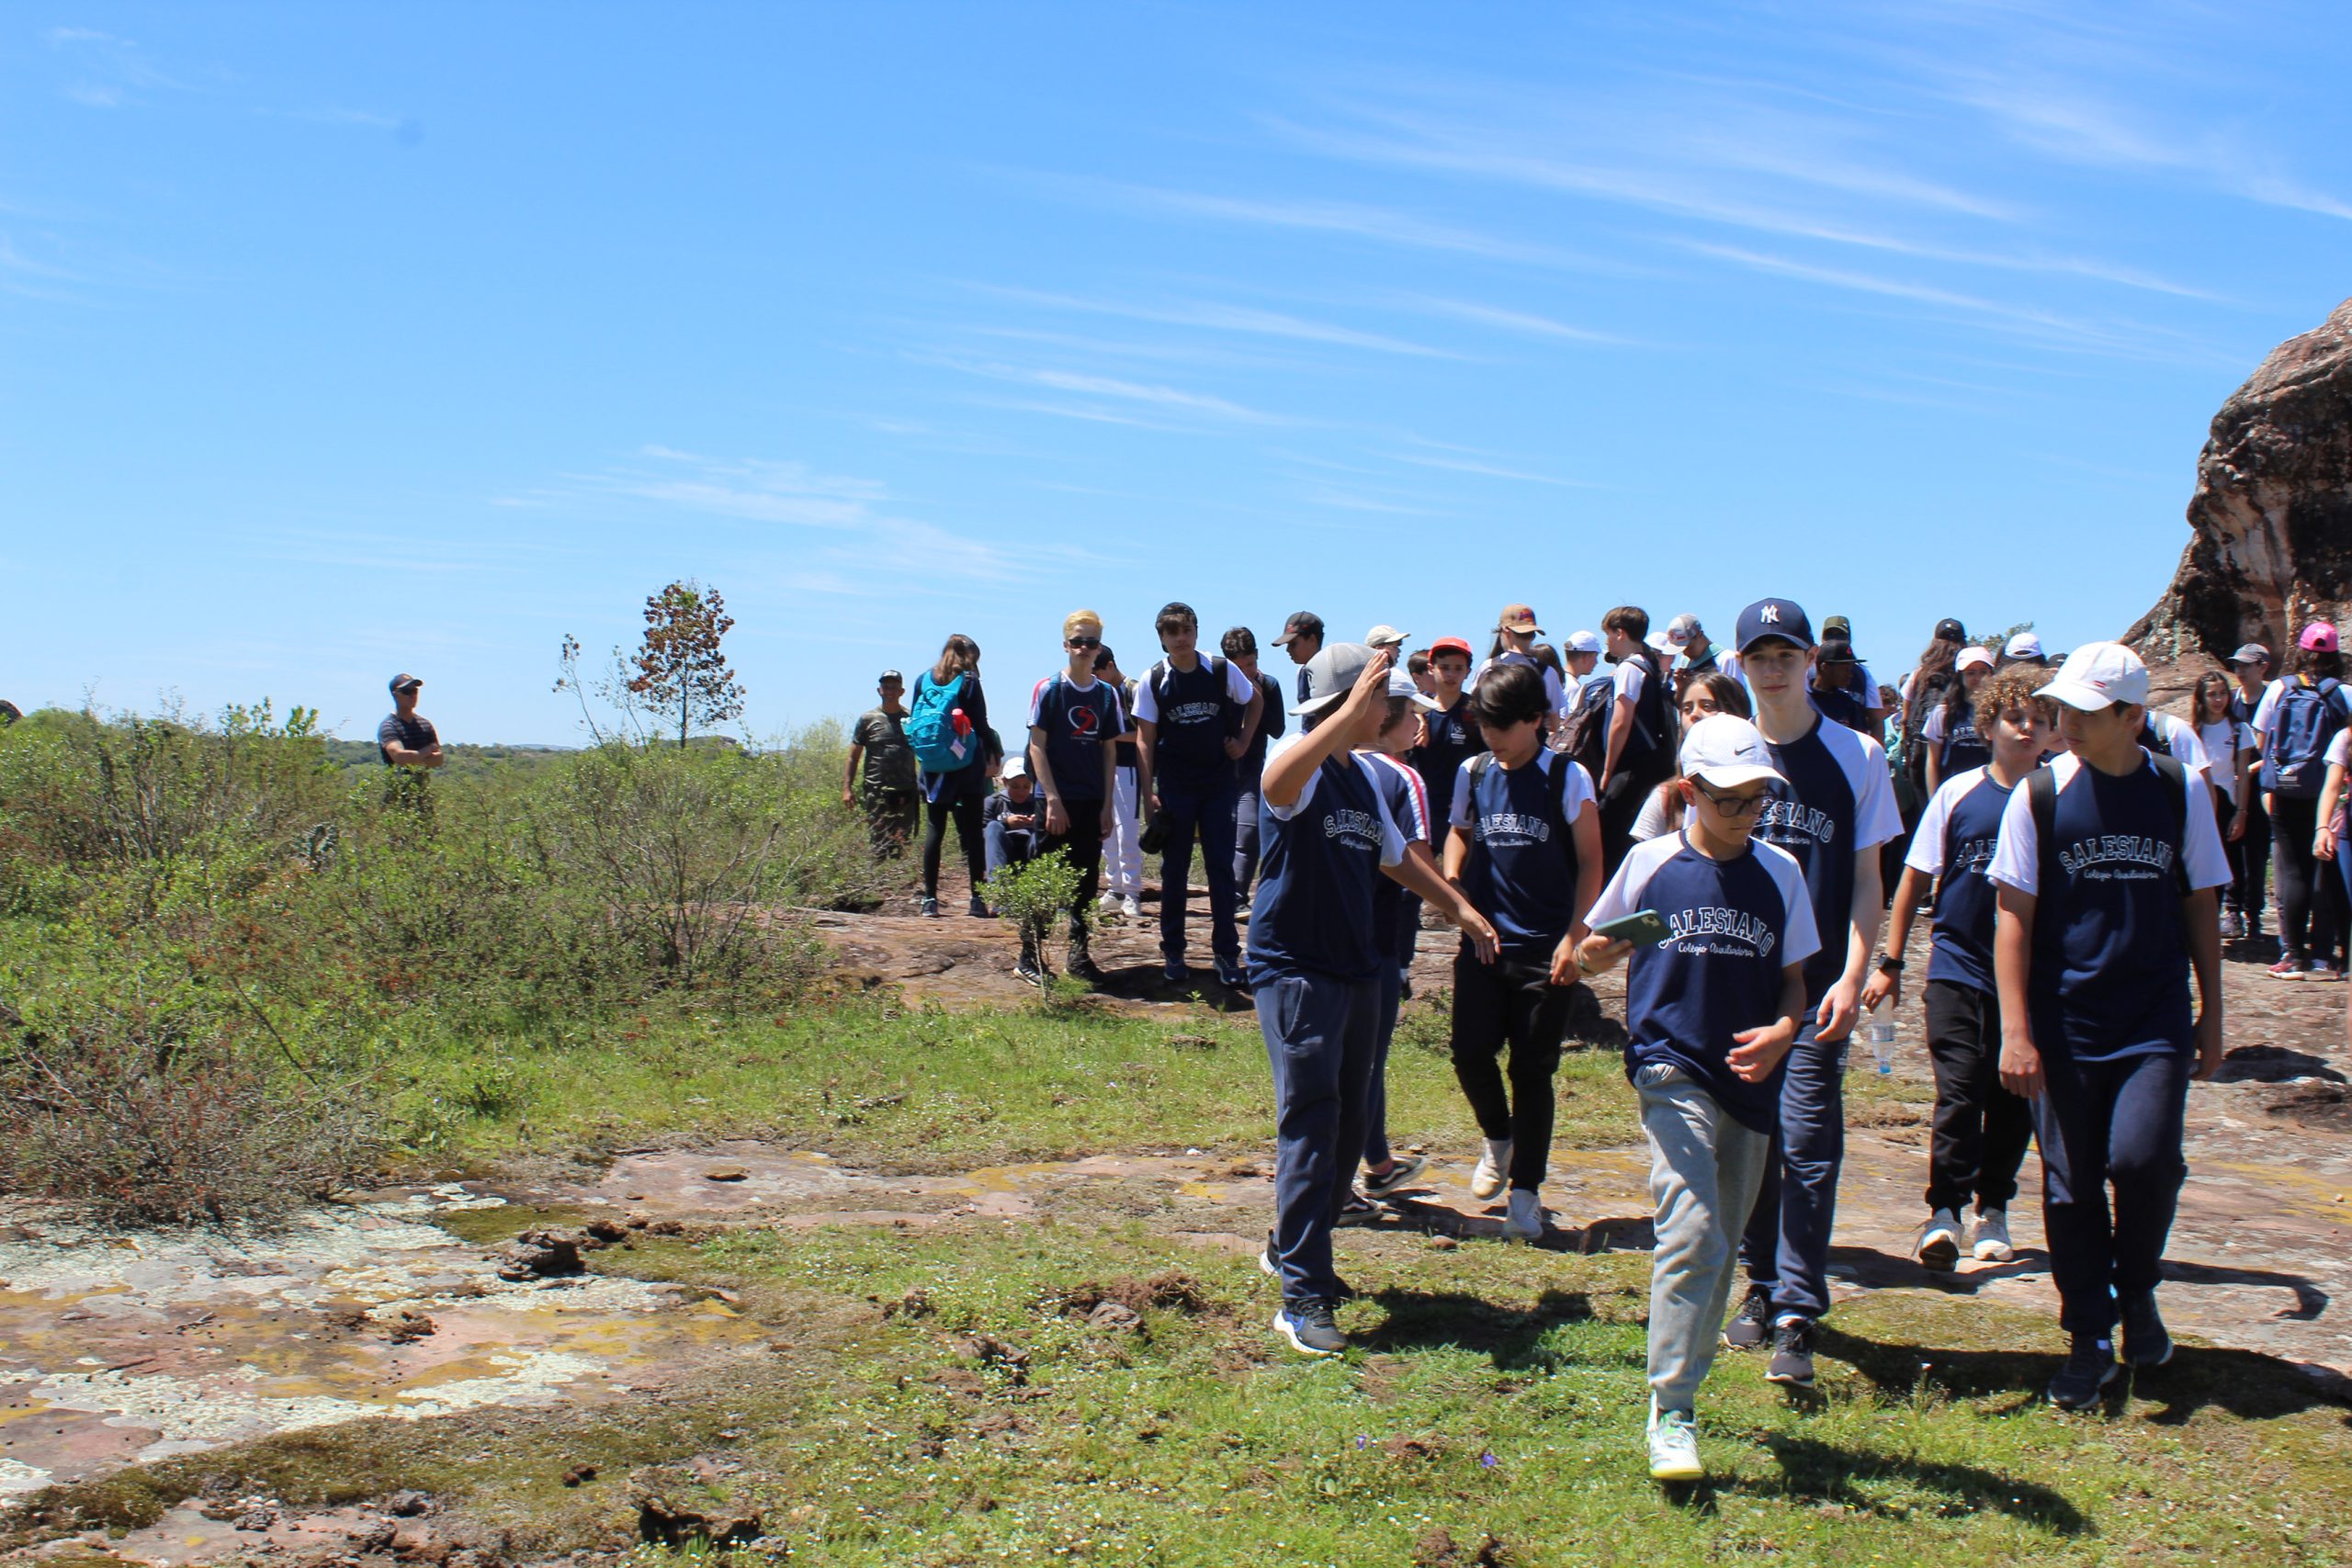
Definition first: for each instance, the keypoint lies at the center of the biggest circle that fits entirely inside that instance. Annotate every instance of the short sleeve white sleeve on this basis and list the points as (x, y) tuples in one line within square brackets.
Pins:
[(2266, 711), (1554, 693), (1237, 688), (1650, 822), (2209, 863), (1927, 853), (1877, 817), (1625, 893), (2180, 739), (1457, 812), (1802, 938), (1629, 679), (1147, 702), (2017, 854), (1577, 794), (2339, 751), (1933, 730), (1307, 790)]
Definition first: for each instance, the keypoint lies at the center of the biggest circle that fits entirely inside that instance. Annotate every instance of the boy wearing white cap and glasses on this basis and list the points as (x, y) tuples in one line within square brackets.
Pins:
[(2105, 868), (1713, 1002)]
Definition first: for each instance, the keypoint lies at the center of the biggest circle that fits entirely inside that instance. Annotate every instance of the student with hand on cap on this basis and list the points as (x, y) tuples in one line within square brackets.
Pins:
[(2105, 873), (1302, 639)]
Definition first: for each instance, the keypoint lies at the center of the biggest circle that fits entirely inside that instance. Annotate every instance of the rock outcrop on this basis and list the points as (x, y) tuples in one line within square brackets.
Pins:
[(2272, 515)]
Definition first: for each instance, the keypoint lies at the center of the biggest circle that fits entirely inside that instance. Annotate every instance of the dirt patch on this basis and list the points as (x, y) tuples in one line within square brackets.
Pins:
[(2324, 1106), (1171, 1290)]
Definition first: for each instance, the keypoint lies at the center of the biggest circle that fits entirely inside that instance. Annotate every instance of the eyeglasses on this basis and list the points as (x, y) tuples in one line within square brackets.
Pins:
[(1086, 642), (1734, 807)]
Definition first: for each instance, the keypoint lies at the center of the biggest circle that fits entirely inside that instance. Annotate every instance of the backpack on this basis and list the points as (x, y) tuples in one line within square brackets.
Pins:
[(1585, 736), (2294, 755), (1555, 798), (939, 744), (1926, 697), (2041, 795), (1159, 675)]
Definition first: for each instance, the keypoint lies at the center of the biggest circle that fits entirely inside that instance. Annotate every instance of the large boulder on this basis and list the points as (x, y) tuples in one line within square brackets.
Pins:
[(2271, 521)]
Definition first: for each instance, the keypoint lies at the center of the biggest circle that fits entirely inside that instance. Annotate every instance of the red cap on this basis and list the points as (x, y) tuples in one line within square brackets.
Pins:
[(1451, 645)]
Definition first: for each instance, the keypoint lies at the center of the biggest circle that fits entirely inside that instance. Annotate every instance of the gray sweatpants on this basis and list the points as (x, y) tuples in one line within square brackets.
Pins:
[(1705, 1170)]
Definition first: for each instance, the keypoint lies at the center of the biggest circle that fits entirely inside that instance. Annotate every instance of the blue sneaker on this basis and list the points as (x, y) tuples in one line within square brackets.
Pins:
[(1307, 1324)]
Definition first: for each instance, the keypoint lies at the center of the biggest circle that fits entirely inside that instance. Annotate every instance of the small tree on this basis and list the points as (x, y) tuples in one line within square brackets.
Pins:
[(1032, 896), (680, 667)]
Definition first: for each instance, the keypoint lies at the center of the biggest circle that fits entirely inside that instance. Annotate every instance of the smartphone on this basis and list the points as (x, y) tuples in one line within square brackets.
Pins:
[(1642, 927)]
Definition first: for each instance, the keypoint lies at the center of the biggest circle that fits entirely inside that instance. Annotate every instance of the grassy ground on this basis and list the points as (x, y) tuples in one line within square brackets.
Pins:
[(929, 1090)]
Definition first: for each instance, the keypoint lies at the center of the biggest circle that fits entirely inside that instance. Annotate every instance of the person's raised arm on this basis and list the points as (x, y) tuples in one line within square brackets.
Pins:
[(1910, 892), (1288, 770), (2012, 967)]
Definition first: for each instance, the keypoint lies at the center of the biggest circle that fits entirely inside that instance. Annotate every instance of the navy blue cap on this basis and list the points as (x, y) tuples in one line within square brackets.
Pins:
[(1783, 618)]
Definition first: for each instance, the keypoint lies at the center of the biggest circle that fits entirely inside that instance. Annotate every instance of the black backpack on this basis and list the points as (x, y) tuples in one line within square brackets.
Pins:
[(1586, 735), (1915, 720), (2042, 796), (1555, 798)]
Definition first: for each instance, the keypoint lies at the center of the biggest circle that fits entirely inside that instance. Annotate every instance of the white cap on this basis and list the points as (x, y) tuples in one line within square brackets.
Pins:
[(1581, 642), (2025, 645), (1385, 637), (1725, 751), (1401, 685), (1683, 628), (1016, 767), (1971, 656), (1660, 643), (2097, 675)]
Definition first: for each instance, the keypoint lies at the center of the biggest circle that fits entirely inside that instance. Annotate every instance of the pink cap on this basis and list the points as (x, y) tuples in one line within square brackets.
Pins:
[(2319, 636)]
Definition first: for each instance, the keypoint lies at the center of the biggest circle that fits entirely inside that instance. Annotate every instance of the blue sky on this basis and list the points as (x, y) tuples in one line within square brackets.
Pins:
[(336, 340)]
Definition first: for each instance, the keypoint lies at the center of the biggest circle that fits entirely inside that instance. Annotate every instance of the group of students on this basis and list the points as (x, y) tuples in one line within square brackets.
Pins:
[(1725, 842)]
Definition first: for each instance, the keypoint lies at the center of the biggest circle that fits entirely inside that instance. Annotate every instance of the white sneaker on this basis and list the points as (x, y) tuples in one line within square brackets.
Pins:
[(1129, 908), (1939, 1243), (1108, 903), (1493, 1173), (1674, 1445), (2233, 925), (1992, 1244), (1525, 1221)]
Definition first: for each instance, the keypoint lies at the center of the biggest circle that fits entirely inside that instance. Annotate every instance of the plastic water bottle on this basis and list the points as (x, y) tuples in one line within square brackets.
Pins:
[(1880, 1032)]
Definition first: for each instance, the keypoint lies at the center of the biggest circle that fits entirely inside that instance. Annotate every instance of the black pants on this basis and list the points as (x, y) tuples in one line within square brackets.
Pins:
[(1245, 843), (1619, 804), (1082, 842), (1981, 1129), (962, 804), (890, 818), (1510, 1000), (2311, 897), (2249, 859), (2102, 1124)]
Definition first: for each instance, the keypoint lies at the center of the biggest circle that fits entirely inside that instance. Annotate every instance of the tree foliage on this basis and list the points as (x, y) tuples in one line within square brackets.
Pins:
[(680, 667)]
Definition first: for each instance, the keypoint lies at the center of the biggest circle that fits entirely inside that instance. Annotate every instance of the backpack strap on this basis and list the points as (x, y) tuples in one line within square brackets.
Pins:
[(2169, 769), (2041, 796)]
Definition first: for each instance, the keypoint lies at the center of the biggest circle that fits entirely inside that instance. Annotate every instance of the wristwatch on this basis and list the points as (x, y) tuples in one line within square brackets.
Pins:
[(1890, 964)]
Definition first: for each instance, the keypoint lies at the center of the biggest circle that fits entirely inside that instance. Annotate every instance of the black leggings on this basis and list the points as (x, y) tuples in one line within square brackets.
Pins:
[(2310, 895), (1513, 1000), (2249, 858), (963, 806)]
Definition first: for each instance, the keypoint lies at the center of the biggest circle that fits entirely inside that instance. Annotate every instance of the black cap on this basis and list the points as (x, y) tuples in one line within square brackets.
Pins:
[(1302, 623), (403, 681), (1951, 630), (1770, 619), (1835, 650), (887, 676)]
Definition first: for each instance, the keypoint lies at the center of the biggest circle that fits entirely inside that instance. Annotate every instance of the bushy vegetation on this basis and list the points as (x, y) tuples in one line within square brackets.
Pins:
[(215, 936)]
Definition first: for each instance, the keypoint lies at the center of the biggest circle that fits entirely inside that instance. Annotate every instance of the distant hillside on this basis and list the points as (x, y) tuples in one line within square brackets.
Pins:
[(463, 760)]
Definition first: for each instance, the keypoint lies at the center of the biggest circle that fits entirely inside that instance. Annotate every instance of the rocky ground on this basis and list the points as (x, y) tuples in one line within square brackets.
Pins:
[(470, 1298)]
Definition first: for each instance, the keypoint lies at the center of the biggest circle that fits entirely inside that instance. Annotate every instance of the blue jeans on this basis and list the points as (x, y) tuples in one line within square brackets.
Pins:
[(1012, 846), (1209, 814), (1786, 1250), (1245, 840), (1319, 1034), (2102, 1124)]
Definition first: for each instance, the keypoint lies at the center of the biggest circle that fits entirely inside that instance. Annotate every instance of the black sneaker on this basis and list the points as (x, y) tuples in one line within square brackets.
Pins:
[(1231, 975), (2090, 1366), (1176, 972), (1081, 966), (1359, 1210), (1306, 1324), (2145, 1343), (978, 908), (1025, 970), (931, 909), (1751, 1326), (1792, 1353)]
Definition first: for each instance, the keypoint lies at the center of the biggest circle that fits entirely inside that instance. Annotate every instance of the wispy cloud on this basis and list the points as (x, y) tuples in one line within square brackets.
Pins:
[(113, 67), (1218, 317), (1164, 399), (1526, 323)]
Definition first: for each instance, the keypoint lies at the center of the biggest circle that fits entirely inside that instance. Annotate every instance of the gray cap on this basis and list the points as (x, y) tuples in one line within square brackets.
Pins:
[(2250, 653), (1330, 675)]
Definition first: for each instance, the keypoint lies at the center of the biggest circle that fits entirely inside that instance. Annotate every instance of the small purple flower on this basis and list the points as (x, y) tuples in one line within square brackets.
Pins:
[(1362, 1440), (1487, 1460)]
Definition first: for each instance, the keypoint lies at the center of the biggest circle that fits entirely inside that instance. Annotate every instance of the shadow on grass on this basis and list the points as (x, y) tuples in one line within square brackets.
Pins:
[(1820, 1473), (1510, 1336), (2247, 1385)]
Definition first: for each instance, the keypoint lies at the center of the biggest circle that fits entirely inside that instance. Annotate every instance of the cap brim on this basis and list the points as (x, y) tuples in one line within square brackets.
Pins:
[(1323, 704), (2077, 694), (1735, 775), (1798, 643)]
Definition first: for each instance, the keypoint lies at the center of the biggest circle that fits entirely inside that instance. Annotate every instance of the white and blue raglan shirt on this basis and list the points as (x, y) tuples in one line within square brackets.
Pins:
[(1319, 858), (1837, 802), (2110, 947), (1732, 926), (1521, 869), (1954, 844), (1407, 799)]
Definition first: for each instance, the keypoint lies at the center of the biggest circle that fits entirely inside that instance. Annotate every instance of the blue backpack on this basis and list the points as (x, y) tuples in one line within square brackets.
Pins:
[(930, 726), (2294, 758)]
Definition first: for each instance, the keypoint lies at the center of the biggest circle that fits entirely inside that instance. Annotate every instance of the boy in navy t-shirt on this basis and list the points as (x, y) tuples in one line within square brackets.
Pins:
[(1834, 808), (2107, 867), (1073, 719), (1194, 718), (1981, 1129), (1526, 851), (1711, 1013), (1314, 964)]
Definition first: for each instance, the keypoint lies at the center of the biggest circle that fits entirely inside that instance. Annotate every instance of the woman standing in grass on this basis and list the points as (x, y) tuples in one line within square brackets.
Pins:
[(948, 722)]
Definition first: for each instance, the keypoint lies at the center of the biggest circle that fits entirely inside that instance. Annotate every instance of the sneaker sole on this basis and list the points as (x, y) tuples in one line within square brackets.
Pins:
[(2150, 1363), (1790, 1379), (1397, 1180), (1943, 1257), (1692, 1471), (1995, 1254), (2095, 1396), (1283, 1328)]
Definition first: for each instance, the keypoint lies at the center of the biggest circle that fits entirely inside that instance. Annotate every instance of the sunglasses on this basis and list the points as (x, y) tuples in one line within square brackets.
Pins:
[(1085, 642), (1734, 807)]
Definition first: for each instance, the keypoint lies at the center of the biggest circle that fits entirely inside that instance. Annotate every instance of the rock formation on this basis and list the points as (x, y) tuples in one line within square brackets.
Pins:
[(2272, 516)]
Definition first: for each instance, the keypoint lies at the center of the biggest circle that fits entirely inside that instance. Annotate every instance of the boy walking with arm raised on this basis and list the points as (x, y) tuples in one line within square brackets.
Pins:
[(1314, 964), (1711, 1013), (1073, 719), (1833, 808), (2107, 867)]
